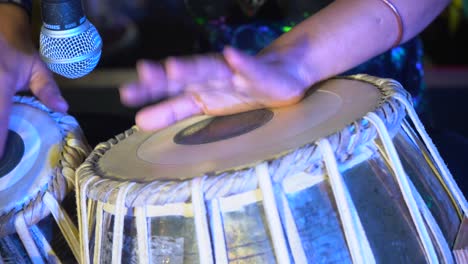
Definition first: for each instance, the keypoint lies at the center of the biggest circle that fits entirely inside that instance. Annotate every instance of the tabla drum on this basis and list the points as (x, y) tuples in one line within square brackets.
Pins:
[(348, 175), (37, 171)]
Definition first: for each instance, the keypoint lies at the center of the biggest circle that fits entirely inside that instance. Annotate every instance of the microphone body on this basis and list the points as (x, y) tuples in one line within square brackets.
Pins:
[(69, 44)]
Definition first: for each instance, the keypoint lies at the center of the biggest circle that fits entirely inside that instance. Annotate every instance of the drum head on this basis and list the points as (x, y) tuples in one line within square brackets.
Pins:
[(206, 144), (32, 152)]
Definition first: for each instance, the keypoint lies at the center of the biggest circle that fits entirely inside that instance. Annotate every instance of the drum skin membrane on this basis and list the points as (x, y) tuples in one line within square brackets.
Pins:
[(371, 191), (34, 227)]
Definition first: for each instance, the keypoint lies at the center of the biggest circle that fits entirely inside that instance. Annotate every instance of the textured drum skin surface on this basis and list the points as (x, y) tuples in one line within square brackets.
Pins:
[(34, 227), (335, 103), (333, 179), (42, 144)]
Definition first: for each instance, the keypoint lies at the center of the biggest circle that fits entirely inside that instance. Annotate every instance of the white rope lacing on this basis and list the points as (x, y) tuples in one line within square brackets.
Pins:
[(219, 240), (356, 238), (66, 225), (294, 238), (447, 176), (201, 223), (271, 213), (83, 218), (98, 232), (120, 212), (402, 180), (144, 255), (433, 227), (27, 240)]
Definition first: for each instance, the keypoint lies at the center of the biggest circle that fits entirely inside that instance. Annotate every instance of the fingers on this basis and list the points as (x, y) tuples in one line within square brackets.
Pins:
[(267, 81), (172, 77), (247, 66), (131, 95), (152, 85), (251, 76), (166, 113), (225, 102), (44, 87), (196, 69)]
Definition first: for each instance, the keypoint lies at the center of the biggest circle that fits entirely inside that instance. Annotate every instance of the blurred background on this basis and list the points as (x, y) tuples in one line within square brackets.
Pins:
[(446, 78), (137, 29)]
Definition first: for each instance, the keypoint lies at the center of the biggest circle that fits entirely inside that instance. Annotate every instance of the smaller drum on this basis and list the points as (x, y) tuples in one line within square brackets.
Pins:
[(346, 175), (37, 172)]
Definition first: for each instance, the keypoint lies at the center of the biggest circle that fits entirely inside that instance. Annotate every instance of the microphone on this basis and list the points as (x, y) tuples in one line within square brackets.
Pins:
[(69, 44)]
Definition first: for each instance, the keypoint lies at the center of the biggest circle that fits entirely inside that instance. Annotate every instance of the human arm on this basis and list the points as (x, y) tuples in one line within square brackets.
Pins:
[(339, 37), (21, 67), (348, 33)]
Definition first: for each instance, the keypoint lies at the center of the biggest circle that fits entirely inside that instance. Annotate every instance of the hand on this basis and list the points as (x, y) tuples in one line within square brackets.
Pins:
[(215, 84), (21, 67)]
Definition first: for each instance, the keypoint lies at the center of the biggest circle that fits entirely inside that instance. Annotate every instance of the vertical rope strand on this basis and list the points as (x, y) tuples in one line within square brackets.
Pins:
[(433, 226), (294, 238), (64, 222), (91, 211), (201, 224), (98, 232), (142, 236), (120, 212), (356, 238), (219, 241), (447, 176), (432, 166), (27, 240), (271, 213), (83, 219), (49, 253), (402, 180), (461, 256)]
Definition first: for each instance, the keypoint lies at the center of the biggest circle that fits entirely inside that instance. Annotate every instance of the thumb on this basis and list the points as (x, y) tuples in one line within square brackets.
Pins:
[(249, 67), (266, 80), (43, 85)]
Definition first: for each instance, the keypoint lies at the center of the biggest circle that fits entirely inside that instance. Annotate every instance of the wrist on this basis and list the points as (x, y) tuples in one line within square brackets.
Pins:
[(15, 27), (295, 58)]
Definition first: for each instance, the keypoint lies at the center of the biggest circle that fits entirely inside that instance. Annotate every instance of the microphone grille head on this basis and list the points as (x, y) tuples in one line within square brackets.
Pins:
[(71, 53)]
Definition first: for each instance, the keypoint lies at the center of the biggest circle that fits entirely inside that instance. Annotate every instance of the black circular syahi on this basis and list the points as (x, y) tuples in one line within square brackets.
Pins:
[(12, 154), (222, 127)]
